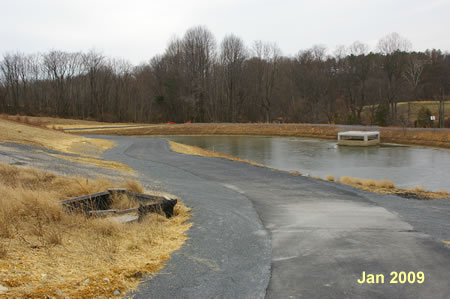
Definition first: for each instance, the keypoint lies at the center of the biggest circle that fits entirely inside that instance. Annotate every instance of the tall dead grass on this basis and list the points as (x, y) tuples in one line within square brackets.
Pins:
[(86, 150), (388, 187), (123, 201), (417, 189), (36, 122), (330, 178), (367, 182), (46, 252)]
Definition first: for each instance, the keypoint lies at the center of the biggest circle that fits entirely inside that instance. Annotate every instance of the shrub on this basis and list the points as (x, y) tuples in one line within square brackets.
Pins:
[(423, 118), (382, 114)]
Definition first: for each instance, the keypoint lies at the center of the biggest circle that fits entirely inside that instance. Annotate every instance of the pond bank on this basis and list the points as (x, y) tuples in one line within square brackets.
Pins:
[(412, 136)]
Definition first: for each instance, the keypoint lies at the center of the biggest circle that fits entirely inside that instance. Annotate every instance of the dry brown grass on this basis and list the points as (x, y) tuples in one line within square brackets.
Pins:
[(59, 123), (123, 201), (388, 187), (46, 252), (383, 184), (32, 121), (86, 149), (17, 132), (417, 189), (329, 178)]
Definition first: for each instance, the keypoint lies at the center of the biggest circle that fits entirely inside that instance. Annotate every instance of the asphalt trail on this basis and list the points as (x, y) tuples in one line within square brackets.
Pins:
[(261, 233), (322, 235)]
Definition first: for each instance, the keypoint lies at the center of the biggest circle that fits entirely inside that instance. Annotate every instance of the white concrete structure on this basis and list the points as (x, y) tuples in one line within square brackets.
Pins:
[(359, 138)]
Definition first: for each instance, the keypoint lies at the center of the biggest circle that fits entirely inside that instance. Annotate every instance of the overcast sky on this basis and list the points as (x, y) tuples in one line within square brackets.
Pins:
[(136, 30)]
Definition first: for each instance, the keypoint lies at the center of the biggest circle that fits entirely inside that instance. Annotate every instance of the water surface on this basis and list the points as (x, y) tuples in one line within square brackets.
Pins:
[(405, 166)]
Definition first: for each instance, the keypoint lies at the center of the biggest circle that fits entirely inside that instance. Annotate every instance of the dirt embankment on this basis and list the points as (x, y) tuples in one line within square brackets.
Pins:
[(427, 137)]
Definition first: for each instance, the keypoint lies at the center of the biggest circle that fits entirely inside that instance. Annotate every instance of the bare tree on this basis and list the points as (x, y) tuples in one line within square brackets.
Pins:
[(11, 74), (268, 57), (358, 48), (92, 63), (199, 51), (232, 57), (393, 43), (392, 47), (413, 74)]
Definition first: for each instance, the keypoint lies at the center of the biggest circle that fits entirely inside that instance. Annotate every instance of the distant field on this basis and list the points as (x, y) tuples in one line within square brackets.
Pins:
[(402, 110)]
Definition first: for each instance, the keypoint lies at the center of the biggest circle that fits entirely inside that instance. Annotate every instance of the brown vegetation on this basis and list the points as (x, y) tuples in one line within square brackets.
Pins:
[(34, 132), (383, 184), (417, 189), (388, 187), (59, 123), (32, 121), (46, 252), (29, 133), (329, 178)]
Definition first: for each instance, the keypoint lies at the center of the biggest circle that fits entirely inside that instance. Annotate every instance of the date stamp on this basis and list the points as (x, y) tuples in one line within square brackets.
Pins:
[(401, 277)]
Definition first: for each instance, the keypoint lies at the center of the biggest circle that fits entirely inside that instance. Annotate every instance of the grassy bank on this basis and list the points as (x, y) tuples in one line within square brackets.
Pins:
[(381, 187), (28, 131), (45, 252)]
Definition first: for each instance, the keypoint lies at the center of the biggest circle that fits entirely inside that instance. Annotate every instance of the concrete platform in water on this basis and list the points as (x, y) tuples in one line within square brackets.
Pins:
[(359, 138)]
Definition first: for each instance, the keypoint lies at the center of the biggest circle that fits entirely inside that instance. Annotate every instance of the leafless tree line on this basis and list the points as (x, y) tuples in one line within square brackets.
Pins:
[(200, 80)]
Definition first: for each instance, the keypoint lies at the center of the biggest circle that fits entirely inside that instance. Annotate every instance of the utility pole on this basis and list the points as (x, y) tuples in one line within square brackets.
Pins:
[(441, 110)]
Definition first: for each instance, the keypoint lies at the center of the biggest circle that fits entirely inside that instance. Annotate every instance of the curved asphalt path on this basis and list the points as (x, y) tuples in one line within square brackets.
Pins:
[(260, 233)]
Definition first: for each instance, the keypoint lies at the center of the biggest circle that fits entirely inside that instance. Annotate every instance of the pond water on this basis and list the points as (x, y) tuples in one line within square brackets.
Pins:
[(405, 166)]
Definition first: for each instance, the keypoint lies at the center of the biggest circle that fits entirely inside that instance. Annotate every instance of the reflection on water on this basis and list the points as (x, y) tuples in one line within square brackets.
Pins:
[(405, 166)]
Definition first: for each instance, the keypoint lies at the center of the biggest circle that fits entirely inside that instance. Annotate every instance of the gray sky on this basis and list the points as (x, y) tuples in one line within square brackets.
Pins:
[(136, 30)]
